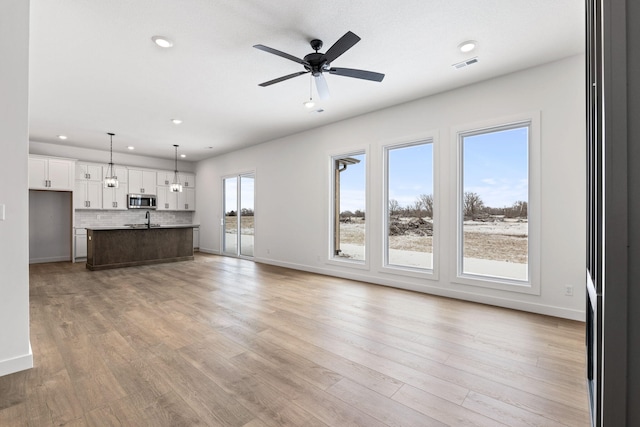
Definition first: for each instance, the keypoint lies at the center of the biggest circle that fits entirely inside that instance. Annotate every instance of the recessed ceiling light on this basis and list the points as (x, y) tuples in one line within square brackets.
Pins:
[(176, 121), (162, 41), (183, 155), (467, 46), (131, 147), (62, 137), (309, 103)]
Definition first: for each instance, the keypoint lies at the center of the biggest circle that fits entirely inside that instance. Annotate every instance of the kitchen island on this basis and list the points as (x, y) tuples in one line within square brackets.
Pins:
[(127, 246)]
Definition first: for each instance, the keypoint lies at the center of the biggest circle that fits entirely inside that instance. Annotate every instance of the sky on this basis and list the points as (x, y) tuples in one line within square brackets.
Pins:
[(246, 193), (495, 166)]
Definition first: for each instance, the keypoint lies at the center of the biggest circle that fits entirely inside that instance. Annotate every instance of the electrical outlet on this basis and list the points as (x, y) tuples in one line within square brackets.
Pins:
[(568, 290), (2, 213)]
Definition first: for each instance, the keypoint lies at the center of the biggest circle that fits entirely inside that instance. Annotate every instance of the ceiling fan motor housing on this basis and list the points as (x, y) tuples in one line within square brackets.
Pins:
[(316, 62)]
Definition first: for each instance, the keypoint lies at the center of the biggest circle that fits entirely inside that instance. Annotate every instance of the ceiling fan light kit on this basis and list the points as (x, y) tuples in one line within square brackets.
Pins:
[(318, 63)]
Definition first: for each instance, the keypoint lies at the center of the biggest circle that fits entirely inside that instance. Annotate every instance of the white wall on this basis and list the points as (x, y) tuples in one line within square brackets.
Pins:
[(50, 214), (102, 156), (294, 172), (15, 349)]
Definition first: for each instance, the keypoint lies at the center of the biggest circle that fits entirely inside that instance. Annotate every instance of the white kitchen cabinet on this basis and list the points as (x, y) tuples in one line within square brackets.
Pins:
[(89, 172), (49, 173), (167, 200), (196, 238), (178, 201), (80, 237), (164, 178), (142, 181), (87, 195), (116, 198), (188, 180), (187, 199)]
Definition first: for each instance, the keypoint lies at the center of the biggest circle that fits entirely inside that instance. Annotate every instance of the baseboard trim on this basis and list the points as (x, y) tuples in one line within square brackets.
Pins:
[(530, 307), (17, 364), (49, 259), (209, 251)]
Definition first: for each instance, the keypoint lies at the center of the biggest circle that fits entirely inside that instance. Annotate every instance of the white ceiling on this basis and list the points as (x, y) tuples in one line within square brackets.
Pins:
[(94, 68)]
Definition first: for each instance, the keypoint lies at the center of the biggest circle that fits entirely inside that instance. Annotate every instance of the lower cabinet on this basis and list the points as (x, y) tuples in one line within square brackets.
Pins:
[(80, 237), (196, 238)]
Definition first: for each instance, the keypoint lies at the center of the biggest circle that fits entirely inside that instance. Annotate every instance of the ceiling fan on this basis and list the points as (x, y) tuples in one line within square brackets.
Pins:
[(318, 63)]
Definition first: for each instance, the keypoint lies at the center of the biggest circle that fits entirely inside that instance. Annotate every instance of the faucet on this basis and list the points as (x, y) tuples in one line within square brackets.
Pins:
[(147, 216)]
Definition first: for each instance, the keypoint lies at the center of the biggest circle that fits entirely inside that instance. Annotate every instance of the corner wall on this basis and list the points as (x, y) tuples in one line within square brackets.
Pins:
[(293, 195), (15, 349)]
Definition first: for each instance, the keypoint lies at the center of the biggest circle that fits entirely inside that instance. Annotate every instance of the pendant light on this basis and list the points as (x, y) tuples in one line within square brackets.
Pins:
[(175, 185), (110, 180)]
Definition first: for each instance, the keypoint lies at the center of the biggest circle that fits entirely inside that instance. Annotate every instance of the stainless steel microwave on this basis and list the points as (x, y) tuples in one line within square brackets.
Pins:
[(142, 201)]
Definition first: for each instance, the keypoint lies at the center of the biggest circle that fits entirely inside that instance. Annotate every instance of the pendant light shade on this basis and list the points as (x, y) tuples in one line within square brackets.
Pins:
[(176, 186), (110, 179)]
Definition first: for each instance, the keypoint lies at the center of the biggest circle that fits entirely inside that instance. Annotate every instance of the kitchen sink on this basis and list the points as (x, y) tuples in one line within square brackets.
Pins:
[(142, 225)]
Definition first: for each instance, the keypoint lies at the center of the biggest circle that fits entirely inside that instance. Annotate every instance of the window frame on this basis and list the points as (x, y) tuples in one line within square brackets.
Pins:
[(331, 258), (532, 284), (386, 267)]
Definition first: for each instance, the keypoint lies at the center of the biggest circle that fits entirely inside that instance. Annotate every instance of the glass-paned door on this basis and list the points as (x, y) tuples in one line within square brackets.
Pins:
[(238, 224)]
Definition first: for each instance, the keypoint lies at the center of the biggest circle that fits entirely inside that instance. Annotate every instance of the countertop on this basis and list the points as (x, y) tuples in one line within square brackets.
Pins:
[(142, 227)]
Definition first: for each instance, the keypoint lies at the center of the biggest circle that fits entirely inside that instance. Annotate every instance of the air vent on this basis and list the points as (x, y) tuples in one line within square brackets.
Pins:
[(465, 63)]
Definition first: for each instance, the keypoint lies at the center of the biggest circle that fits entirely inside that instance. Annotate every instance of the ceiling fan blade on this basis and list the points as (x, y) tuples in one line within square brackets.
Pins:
[(283, 78), (281, 54), (358, 74), (322, 87), (345, 43)]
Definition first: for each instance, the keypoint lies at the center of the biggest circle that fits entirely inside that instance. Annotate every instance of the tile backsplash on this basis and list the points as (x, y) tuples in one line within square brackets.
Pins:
[(106, 218)]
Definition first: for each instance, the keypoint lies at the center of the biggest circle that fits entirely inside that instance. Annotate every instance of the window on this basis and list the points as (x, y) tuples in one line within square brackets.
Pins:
[(238, 221), (493, 204), (349, 202), (409, 206)]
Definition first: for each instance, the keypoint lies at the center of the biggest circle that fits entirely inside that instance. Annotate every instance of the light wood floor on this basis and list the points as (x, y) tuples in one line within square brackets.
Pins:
[(222, 341)]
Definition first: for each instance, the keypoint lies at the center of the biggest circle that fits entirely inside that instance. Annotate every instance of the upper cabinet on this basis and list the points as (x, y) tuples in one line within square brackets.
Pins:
[(164, 178), (187, 199), (87, 195), (50, 173), (88, 186), (142, 181), (187, 180), (116, 198), (89, 172), (176, 201), (167, 177)]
